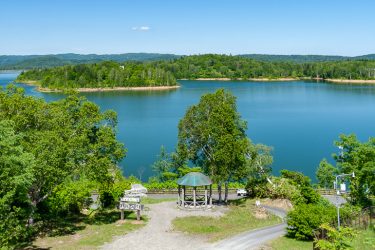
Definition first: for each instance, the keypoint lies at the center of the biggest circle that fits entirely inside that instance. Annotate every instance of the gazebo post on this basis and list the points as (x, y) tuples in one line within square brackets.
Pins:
[(183, 197), (211, 195), (205, 196), (194, 198), (179, 195)]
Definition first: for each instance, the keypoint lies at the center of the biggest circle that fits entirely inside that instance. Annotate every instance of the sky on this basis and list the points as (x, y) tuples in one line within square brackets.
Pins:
[(329, 27)]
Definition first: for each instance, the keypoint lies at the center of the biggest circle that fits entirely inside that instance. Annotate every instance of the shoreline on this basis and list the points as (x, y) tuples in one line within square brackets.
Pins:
[(286, 79), (88, 90), (161, 88), (348, 81), (106, 89)]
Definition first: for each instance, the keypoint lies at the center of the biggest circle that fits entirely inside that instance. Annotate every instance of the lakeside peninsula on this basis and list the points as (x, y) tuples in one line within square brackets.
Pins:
[(161, 75)]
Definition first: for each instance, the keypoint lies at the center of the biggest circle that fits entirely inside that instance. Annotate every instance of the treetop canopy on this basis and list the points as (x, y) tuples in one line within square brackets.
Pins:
[(194, 179)]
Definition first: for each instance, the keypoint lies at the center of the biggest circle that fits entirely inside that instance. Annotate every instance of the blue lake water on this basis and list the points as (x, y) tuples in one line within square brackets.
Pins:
[(299, 119)]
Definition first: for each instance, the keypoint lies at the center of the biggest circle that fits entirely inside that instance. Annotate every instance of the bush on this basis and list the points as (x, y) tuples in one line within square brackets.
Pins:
[(282, 188), (70, 197), (155, 185), (336, 240), (307, 217)]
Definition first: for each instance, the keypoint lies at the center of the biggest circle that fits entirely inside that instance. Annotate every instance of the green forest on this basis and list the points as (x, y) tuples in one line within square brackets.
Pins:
[(234, 67), (165, 72), (100, 75)]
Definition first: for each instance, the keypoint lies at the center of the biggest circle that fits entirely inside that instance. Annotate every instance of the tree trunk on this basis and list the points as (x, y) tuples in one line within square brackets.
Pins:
[(219, 191), (226, 193)]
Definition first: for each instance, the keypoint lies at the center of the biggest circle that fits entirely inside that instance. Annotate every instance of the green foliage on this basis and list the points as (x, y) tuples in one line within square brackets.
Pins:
[(291, 185), (163, 166), (70, 196), (307, 217), (100, 75), (51, 153), (359, 158), (16, 177), (47, 61), (170, 166), (212, 135), (156, 185), (296, 178), (326, 174), (165, 72), (234, 67), (303, 184), (282, 188), (257, 187), (111, 194), (336, 240)]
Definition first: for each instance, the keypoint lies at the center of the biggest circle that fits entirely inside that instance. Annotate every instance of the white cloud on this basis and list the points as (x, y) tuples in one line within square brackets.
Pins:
[(141, 28)]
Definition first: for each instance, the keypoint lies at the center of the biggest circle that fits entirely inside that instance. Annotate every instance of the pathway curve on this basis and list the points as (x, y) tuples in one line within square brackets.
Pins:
[(255, 238), (252, 239)]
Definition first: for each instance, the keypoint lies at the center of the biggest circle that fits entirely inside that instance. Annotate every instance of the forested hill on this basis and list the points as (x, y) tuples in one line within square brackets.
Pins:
[(100, 75), (296, 58), (46, 61), (306, 58), (165, 72)]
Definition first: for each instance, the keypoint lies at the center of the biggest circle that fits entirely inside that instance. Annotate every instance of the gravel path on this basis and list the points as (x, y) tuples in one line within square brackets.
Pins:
[(158, 234), (252, 239), (255, 238)]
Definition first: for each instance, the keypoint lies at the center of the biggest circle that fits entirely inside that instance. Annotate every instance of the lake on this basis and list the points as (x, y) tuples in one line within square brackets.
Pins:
[(299, 119)]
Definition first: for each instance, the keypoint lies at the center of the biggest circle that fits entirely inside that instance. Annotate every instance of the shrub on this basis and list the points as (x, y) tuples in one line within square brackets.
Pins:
[(307, 217), (70, 197), (257, 188), (155, 185), (336, 240)]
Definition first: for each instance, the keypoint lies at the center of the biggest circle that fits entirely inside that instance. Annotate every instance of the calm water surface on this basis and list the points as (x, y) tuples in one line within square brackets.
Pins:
[(300, 120)]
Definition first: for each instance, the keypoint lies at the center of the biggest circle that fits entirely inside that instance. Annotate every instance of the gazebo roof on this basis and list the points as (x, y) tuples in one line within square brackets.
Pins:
[(194, 179)]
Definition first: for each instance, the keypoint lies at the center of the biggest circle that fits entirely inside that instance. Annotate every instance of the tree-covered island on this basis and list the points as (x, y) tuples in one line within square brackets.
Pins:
[(163, 73), (100, 76)]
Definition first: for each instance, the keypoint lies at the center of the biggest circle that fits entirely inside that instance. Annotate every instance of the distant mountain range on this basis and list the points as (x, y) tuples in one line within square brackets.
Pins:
[(305, 58), (9, 62), (46, 61)]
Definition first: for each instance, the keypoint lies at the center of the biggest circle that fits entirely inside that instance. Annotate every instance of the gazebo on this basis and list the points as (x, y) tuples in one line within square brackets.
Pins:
[(189, 197)]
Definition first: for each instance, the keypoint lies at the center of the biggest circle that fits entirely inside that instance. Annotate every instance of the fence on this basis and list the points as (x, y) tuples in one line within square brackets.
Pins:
[(362, 220), (175, 191), (329, 191)]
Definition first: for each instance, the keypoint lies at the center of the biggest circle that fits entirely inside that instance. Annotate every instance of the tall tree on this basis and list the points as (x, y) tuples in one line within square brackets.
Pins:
[(16, 177), (68, 139), (359, 158), (326, 174), (212, 135)]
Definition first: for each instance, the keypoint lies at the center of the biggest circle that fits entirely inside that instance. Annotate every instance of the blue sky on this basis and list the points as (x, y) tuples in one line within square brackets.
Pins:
[(333, 27)]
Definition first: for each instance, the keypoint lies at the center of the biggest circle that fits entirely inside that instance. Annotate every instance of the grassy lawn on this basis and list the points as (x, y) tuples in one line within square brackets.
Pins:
[(285, 243), (87, 232), (365, 240), (239, 218)]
